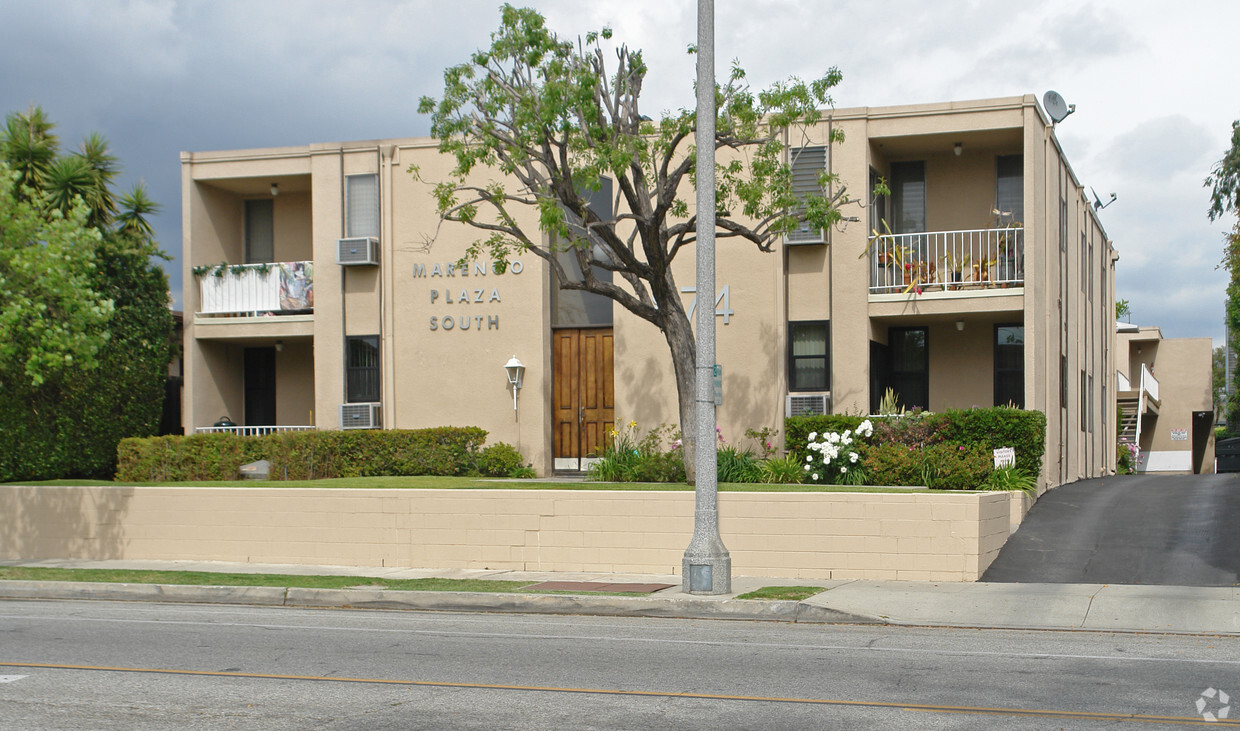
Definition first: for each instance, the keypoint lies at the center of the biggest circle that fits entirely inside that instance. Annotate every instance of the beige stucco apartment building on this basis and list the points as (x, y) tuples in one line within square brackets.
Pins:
[(1165, 401), (995, 286)]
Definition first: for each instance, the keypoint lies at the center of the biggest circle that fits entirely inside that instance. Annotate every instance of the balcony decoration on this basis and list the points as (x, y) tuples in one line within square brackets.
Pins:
[(256, 288)]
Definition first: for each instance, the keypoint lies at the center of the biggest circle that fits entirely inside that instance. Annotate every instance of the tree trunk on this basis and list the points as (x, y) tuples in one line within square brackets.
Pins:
[(683, 347)]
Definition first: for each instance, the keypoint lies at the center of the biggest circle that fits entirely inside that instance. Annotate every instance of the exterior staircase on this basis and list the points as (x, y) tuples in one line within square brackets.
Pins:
[(1128, 422)]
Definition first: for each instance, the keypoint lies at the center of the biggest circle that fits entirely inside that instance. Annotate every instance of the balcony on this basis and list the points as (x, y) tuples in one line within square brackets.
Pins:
[(241, 290), (947, 261)]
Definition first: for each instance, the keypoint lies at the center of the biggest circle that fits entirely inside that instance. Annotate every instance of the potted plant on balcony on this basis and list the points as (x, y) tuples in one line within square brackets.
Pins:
[(955, 266), (1008, 242), (889, 257)]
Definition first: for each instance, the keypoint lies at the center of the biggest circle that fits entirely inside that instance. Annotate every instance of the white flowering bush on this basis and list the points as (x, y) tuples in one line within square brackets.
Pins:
[(834, 458)]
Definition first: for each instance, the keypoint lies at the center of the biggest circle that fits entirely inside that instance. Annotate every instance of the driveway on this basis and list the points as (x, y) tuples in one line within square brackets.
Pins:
[(1178, 530)]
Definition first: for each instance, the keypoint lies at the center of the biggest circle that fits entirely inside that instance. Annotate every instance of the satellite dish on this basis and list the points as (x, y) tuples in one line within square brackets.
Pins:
[(1056, 106), (1098, 204)]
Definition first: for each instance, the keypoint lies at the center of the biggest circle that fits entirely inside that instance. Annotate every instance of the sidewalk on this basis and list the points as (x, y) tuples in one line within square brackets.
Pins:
[(1174, 609)]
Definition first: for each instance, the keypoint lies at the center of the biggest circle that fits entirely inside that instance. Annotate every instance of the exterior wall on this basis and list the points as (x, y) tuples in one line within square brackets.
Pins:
[(295, 384), (920, 537), (1183, 372)]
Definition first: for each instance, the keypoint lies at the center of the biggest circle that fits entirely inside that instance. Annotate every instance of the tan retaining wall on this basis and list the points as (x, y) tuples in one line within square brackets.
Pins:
[(933, 537)]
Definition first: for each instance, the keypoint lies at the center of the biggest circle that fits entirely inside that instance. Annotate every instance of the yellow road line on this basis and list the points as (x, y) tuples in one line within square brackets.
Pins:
[(919, 707)]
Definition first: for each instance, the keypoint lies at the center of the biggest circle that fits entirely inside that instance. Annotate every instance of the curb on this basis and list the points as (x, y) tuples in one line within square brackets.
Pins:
[(677, 607)]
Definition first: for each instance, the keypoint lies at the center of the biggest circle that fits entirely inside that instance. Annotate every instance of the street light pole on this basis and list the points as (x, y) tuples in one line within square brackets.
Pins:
[(706, 567)]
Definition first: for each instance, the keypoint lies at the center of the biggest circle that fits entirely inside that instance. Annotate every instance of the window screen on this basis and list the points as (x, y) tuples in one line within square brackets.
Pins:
[(807, 165), (361, 205)]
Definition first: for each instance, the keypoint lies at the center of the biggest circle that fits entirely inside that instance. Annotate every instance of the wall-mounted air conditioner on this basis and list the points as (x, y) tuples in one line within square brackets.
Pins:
[(807, 404), (359, 251), (361, 416)]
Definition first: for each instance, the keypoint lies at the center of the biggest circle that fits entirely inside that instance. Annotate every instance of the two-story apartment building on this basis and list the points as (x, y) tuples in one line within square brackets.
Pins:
[(991, 282)]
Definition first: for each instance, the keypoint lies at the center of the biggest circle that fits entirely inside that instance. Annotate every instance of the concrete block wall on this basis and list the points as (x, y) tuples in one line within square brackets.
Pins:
[(904, 536)]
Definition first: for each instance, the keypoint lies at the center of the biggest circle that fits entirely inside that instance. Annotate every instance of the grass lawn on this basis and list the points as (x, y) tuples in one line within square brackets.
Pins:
[(476, 483), (783, 593), (211, 578)]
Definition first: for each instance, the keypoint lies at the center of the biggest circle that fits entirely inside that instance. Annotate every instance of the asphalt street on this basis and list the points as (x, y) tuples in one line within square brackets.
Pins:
[(136, 665), (1170, 530)]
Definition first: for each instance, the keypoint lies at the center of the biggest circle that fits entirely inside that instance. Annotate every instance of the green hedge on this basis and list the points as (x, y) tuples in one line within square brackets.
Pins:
[(303, 455), (948, 450)]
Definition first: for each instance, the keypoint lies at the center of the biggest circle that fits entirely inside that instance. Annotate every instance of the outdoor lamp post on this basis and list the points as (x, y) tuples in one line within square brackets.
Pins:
[(516, 377)]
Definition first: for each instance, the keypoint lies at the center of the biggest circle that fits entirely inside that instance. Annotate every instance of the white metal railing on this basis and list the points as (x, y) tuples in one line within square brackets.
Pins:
[(947, 260), (1149, 384), (249, 431), (257, 288)]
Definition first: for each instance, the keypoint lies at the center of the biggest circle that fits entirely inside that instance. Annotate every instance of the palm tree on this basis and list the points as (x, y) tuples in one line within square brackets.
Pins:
[(135, 206), (104, 168), (28, 146)]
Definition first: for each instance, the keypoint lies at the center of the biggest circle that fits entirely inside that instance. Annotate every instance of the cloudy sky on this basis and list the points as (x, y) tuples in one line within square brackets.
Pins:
[(1153, 104)]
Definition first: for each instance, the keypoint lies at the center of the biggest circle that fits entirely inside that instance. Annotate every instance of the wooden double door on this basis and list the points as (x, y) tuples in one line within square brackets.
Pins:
[(583, 401)]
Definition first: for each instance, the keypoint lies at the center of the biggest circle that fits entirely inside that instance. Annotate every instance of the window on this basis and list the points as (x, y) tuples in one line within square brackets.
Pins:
[(1063, 381), (1010, 365), (908, 197), (1010, 187), (1063, 224), (361, 205), (809, 351), (574, 307), (1084, 403), (259, 231), (908, 205), (362, 369), (808, 164), (1084, 264), (908, 350)]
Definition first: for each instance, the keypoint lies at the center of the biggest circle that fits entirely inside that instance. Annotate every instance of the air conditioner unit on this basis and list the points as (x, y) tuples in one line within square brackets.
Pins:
[(359, 251), (361, 416), (807, 404)]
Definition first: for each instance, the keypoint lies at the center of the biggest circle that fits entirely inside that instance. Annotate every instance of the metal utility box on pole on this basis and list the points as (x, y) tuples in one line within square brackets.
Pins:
[(706, 566)]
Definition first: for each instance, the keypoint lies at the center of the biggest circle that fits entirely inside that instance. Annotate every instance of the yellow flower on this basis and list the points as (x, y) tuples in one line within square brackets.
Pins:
[(632, 424), (612, 432)]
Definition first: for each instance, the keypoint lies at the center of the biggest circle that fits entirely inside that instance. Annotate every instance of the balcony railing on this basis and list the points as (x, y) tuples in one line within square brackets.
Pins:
[(1149, 384), (249, 431), (255, 289), (947, 260)]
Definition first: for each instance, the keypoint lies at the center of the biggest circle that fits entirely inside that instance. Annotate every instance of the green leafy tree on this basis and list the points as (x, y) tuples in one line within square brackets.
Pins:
[(1218, 379), (1231, 262), (51, 318), (536, 122), (1224, 178), (1224, 184), (84, 320)]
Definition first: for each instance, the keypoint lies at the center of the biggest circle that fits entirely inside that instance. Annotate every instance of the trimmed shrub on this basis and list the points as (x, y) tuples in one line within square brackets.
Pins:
[(1001, 426), (304, 455), (502, 460)]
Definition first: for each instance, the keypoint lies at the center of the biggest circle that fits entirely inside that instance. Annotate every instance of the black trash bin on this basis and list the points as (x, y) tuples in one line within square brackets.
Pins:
[(1227, 455)]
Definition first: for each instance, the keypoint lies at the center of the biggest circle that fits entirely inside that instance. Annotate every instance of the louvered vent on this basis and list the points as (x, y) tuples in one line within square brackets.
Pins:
[(807, 164), (359, 251)]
